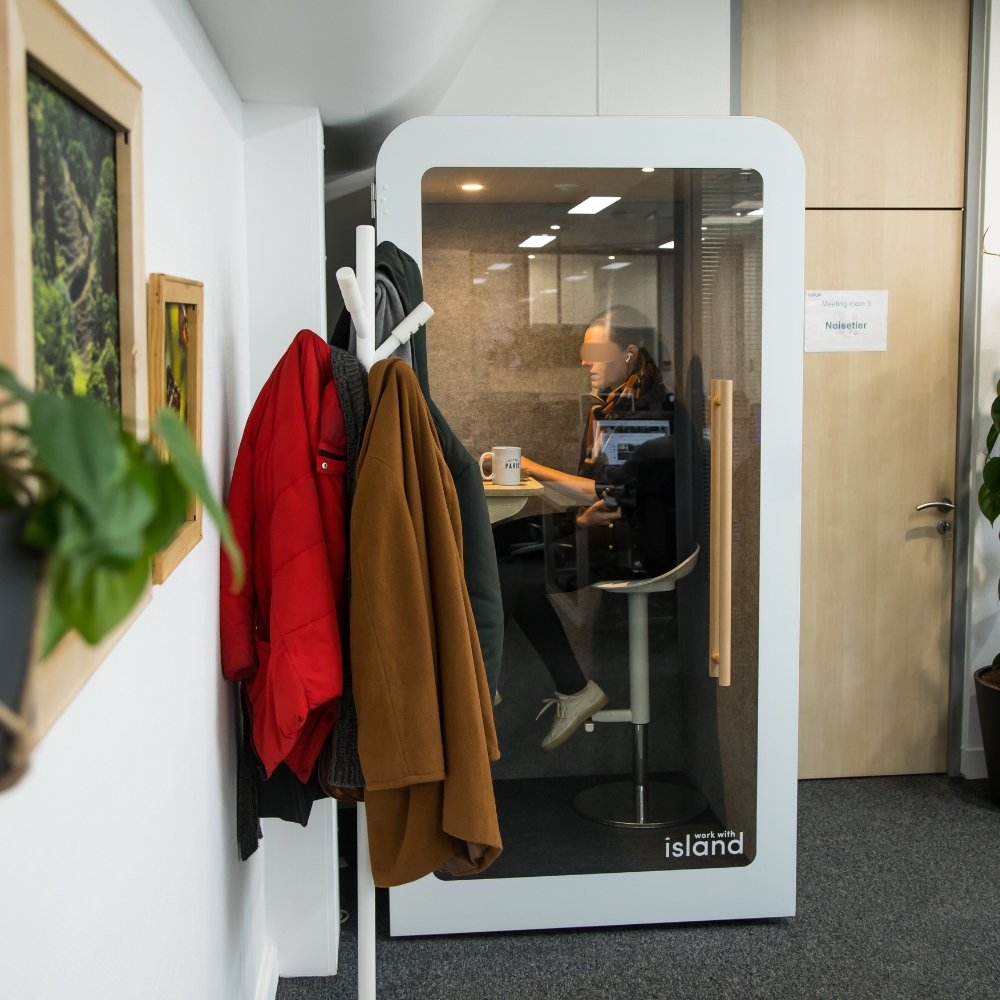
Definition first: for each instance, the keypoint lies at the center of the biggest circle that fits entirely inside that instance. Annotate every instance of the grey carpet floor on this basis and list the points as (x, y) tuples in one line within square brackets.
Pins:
[(898, 897)]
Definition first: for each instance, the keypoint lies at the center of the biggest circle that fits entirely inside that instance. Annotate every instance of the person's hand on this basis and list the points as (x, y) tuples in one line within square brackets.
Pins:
[(528, 468), (597, 515)]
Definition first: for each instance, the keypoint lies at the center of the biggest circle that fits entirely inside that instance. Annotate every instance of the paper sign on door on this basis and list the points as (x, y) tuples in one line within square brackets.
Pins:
[(847, 321)]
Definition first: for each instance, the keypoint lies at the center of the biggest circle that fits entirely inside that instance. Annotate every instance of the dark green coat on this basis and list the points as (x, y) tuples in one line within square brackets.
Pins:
[(481, 577)]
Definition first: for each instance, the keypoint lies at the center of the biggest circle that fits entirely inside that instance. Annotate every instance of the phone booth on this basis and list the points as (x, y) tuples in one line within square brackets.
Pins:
[(618, 306)]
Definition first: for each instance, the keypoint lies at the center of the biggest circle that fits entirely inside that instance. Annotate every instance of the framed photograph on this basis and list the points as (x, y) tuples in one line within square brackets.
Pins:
[(175, 351), (72, 288)]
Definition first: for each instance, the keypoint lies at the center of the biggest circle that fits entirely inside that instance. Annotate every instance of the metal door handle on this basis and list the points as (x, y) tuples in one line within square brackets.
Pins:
[(720, 574), (943, 505)]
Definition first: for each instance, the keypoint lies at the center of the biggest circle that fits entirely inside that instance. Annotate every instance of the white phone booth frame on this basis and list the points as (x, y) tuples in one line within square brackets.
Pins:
[(766, 887)]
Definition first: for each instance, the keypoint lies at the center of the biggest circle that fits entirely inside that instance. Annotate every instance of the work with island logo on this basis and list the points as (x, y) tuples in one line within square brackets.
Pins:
[(705, 845)]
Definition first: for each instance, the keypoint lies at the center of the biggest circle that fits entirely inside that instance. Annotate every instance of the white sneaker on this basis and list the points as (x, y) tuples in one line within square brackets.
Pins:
[(571, 710)]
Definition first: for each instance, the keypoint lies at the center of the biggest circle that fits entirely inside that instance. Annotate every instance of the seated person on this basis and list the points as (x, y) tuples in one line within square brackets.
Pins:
[(625, 381)]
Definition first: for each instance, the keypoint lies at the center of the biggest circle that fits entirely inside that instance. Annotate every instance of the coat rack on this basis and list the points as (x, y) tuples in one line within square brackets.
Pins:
[(358, 291)]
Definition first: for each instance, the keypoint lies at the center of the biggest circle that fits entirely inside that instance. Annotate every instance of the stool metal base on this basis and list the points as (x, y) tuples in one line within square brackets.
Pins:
[(664, 804)]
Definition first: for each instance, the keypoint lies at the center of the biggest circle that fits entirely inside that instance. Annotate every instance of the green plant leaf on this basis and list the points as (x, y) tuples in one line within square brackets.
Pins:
[(991, 474), (185, 460), (991, 439), (78, 442), (171, 512), (995, 411), (101, 600), (989, 502), (55, 628)]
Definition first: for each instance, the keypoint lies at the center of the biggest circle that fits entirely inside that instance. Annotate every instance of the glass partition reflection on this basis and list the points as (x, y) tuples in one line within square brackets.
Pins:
[(580, 316)]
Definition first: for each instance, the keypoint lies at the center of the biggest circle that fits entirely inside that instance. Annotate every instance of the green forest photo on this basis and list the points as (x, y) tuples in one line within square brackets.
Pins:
[(74, 247)]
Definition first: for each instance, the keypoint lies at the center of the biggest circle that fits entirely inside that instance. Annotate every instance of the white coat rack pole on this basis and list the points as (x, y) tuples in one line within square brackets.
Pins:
[(365, 267), (365, 264), (366, 912)]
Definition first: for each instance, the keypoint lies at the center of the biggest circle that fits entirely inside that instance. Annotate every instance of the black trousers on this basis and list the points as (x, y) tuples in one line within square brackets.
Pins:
[(522, 586)]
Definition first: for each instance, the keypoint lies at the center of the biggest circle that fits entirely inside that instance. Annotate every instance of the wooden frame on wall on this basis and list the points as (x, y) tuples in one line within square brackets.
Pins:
[(40, 37), (177, 303)]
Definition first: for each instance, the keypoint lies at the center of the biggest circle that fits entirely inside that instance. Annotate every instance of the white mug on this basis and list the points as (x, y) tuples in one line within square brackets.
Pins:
[(506, 466)]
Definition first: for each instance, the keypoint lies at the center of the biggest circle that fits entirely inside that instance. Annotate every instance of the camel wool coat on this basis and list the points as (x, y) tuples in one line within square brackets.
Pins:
[(425, 721)]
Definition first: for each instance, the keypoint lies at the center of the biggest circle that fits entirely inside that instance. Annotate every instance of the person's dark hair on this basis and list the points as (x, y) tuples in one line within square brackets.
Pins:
[(626, 325)]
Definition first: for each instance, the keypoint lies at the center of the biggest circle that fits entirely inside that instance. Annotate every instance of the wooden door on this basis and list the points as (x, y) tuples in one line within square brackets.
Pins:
[(879, 439), (874, 92)]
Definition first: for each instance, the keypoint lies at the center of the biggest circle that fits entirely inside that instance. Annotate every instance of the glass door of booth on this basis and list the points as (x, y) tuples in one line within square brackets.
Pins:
[(581, 316)]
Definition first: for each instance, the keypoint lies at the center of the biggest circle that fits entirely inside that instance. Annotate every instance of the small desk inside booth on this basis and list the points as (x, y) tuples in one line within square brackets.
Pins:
[(506, 501)]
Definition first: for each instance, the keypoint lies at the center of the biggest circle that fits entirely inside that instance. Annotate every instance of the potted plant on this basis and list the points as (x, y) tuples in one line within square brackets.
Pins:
[(84, 506), (988, 678)]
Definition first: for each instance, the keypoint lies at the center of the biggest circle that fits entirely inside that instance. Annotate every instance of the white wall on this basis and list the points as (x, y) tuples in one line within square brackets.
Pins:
[(984, 634), (286, 241), (119, 875), (587, 57)]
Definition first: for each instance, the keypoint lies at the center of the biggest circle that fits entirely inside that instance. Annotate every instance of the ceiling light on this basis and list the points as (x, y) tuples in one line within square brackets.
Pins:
[(756, 211), (567, 187), (616, 266), (669, 245), (611, 258), (531, 256), (555, 227), (479, 281), (704, 229), (537, 241), (576, 277), (472, 187), (648, 170), (593, 205), (498, 267), (549, 291)]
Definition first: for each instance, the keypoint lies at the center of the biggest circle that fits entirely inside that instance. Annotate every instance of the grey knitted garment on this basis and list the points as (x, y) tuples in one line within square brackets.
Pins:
[(344, 769), (388, 315)]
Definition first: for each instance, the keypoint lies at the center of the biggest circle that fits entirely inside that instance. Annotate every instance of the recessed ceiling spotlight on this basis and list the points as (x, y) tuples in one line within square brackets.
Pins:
[(479, 281), (498, 267), (611, 257), (472, 187), (549, 291), (704, 229), (669, 245), (531, 256), (538, 240), (576, 277), (648, 170), (617, 266), (593, 205), (555, 227)]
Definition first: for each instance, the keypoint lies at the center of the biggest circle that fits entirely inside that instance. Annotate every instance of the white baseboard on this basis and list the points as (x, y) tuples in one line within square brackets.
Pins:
[(973, 762), (267, 976)]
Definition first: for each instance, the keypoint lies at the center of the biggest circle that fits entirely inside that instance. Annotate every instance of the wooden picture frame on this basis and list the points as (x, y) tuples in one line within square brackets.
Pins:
[(177, 304), (39, 37)]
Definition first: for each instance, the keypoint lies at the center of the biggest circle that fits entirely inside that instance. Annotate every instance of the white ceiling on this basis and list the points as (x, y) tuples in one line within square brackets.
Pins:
[(366, 64)]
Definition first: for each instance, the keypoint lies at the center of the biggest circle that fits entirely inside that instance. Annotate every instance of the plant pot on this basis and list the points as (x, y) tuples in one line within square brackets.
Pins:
[(20, 572), (988, 700)]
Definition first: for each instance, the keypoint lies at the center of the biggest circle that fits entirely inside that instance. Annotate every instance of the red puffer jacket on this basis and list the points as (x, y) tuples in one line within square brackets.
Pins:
[(281, 633)]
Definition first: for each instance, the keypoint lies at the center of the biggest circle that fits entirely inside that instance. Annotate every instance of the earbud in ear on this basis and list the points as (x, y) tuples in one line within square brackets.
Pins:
[(628, 357)]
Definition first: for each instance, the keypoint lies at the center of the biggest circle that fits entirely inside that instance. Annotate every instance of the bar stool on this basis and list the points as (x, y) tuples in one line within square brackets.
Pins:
[(640, 803)]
